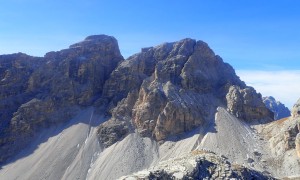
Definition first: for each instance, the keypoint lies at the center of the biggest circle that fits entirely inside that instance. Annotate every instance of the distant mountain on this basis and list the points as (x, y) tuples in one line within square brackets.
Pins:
[(173, 110), (279, 109)]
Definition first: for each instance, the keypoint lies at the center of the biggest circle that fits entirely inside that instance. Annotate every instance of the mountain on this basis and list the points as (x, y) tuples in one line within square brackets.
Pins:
[(279, 109), (87, 113), (42, 92), (283, 139)]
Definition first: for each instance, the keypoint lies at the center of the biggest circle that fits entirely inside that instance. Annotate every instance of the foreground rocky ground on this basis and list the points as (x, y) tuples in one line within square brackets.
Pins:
[(198, 164)]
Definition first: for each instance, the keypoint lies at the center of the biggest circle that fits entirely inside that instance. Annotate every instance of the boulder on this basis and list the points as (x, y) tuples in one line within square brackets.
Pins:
[(247, 104)]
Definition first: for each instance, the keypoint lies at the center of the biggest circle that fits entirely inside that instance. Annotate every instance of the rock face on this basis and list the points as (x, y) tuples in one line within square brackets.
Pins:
[(279, 109), (246, 103), (293, 130), (15, 70), (297, 142), (173, 88), (40, 92), (162, 91), (296, 115), (283, 137)]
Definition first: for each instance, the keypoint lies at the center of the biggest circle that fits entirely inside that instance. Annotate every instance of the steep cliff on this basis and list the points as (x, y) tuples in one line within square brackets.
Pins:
[(40, 92), (155, 96), (173, 88)]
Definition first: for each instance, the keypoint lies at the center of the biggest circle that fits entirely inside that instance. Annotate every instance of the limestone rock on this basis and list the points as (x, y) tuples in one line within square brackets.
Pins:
[(78, 74), (160, 92), (15, 70), (282, 134), (40, 92), (112, 131), (179, 86), (279, 109), (290, 137), (297, 142), (119, 125), (296, 109), (247, 104), (198, 165)]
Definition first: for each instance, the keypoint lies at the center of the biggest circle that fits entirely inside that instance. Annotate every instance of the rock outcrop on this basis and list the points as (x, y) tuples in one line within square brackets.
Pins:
[(198, 165), (283, 138), (297, 142), (279, 109), (162, 91), (40, 92), (296, 115), (296, 109), (177, 87), (15, 71), (246, 104)]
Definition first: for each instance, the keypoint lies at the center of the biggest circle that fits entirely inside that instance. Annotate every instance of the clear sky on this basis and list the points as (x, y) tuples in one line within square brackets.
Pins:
[(248, 34)]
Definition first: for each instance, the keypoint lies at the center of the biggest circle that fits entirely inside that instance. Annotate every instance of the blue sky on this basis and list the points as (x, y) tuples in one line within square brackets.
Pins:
[(248, 34)]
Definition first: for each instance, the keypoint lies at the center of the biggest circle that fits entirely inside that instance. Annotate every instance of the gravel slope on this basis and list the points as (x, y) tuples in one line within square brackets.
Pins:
[(236, 140), (67, 155), (74, 152)]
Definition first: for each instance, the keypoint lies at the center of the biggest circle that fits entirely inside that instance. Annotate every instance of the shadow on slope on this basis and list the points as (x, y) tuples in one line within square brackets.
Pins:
[(85, 116)]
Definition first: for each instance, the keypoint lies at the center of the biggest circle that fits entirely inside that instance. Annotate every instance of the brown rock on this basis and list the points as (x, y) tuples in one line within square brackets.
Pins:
[(179, 86), (247, 104)]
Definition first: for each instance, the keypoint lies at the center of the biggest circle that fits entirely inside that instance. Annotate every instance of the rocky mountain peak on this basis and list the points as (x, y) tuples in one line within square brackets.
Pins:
[(279, 109), (99, 44), (173, 88), (156, 104), (160, 92), (95, 39)]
